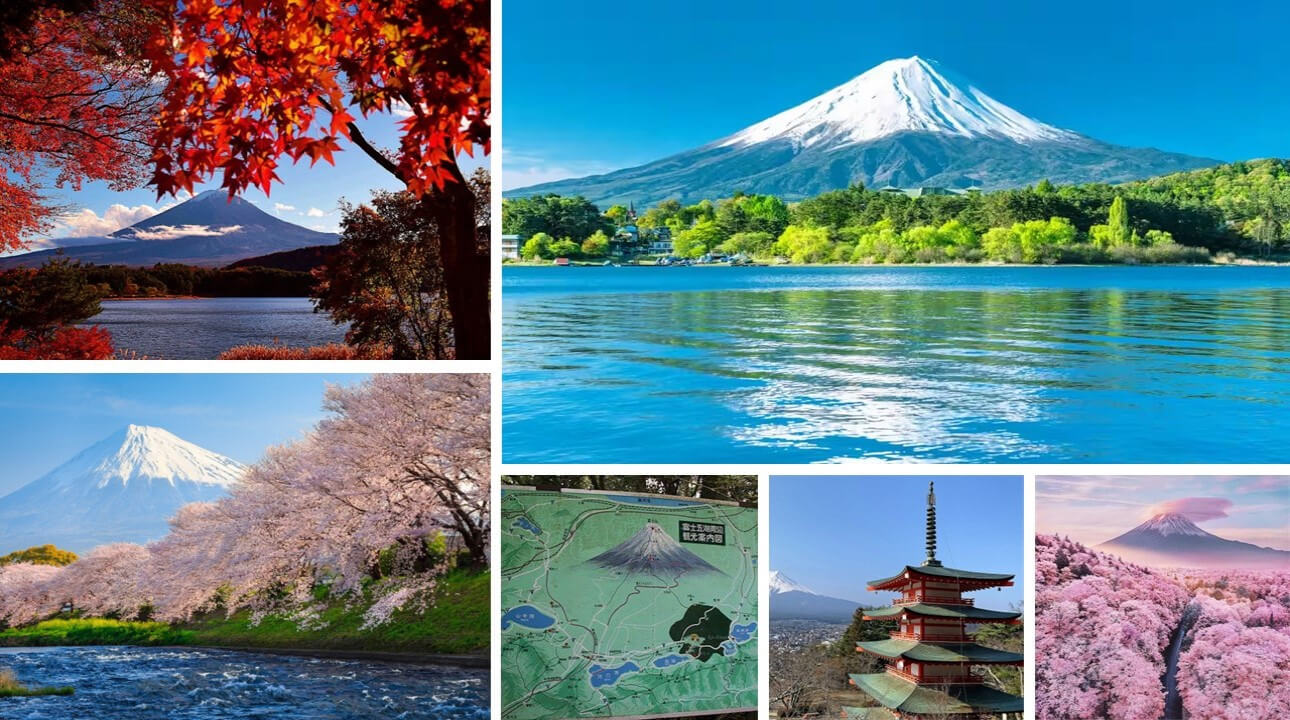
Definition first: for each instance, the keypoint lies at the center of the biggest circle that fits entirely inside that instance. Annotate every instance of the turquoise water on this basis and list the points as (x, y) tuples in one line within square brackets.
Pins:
[(959, 364)]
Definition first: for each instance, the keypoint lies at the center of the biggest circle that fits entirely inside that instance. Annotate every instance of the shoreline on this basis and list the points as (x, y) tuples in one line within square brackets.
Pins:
[(159, 297), (205, 297), (1236, 263), (474, 661)]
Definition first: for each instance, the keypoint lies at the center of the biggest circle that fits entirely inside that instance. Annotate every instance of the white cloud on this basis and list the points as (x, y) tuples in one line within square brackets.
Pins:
[(315, 212), (170, 232), (283, 208), (86, 222), (401, 109), (522, 169)]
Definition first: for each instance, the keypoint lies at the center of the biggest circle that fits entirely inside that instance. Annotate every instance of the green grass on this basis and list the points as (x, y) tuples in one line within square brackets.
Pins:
[(93, 631), (10, 687), (456, 623)]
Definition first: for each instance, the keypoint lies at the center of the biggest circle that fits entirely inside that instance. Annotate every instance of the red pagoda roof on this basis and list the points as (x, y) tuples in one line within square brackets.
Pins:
[(976, 580)]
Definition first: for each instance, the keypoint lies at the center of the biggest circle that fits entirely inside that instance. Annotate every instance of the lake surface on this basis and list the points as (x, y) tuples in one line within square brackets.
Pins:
[(943, 364), (129, 683), (202, 329)]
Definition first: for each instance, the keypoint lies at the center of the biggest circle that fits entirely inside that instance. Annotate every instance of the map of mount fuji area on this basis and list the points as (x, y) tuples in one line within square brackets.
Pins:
[(626, 605)]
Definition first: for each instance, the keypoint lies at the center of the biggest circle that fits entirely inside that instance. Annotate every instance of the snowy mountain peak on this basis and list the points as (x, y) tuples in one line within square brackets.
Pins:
[(902, 95), (122, 488), (142, 453), (781, 583), (1172, 524)]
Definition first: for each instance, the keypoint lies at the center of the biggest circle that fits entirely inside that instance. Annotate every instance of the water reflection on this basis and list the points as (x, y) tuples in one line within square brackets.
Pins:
[(1082, 374)]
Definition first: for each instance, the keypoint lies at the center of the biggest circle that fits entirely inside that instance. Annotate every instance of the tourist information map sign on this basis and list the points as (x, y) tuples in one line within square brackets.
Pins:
[(622, 605)]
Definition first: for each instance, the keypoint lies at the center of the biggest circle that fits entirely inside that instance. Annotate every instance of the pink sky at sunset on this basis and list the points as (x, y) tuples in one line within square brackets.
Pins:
[(1095, 508)]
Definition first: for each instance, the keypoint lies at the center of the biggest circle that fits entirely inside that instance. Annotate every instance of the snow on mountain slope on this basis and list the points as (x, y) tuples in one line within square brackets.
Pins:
[(1173, 524), (904, 95), (1172, 539), (144, 454), (790, 600), (779, 583), (906, 123), (121, 489)]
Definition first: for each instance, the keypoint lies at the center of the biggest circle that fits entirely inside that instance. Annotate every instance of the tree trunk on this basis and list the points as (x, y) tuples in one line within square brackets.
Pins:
[(465, 268)]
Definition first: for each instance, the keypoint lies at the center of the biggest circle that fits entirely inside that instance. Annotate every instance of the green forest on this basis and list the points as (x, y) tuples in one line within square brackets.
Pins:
[(1237, 210)]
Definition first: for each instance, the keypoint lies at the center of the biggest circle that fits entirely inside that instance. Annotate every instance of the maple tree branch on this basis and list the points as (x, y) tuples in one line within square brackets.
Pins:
[(361, 141)]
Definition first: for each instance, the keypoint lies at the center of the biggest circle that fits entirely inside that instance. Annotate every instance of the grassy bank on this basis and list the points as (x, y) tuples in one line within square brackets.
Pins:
[(10, 687), (93, 631), (457, 623)]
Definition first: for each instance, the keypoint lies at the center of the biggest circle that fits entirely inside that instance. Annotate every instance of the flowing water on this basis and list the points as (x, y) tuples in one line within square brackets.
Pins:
[(948, 364), (203, 328), (1173, 700), (130, 683)]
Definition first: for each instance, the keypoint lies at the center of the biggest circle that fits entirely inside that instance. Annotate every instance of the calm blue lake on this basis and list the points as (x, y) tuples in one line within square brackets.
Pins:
[(202, 329), (945, 364), (134, 683)]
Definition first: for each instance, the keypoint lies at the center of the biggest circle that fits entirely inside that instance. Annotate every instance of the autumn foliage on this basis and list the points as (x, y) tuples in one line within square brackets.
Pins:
[(39, 310), (251, 81), (65, 343), (330, 351), (75, 105)]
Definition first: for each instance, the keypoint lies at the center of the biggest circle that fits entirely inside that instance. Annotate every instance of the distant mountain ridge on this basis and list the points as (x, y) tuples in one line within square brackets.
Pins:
[(208, 230), (1173, 539), (905, 123), (789, 600), (123, 488), (299, 260)]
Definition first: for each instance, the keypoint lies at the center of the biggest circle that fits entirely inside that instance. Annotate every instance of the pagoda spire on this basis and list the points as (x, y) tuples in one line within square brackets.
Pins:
[(931, 527)]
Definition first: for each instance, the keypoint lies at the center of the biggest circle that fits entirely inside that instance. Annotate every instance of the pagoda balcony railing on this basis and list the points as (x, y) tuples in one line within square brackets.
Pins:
[(936, 637), (937, 598), (966, 679)]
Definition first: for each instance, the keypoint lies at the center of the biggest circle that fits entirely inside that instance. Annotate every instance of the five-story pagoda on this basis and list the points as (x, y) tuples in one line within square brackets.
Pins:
[(930, 655)]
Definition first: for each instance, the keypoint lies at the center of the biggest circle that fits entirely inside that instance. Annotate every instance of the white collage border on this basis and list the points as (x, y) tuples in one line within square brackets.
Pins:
[(493, 367)]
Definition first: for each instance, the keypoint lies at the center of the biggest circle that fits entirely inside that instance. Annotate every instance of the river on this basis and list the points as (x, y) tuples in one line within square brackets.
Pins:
[(944, 364), (200, 329), (132, 683)]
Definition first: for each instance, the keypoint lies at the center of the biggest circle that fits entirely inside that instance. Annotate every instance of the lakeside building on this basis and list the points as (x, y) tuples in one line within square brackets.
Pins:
[(510, 247), (931, 653), (924, 191)]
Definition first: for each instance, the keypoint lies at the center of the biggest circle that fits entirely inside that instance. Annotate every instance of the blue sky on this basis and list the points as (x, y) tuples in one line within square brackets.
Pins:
[(1095, 508), (833, 534), (47, 419), (589, 87), (307, 196)]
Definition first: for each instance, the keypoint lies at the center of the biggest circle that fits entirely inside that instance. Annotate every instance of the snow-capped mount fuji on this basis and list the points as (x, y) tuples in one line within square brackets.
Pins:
[(904, 123), (208, 229), (790, 600), (1172, 539), (909, 95), (781, 583), (121, 489)]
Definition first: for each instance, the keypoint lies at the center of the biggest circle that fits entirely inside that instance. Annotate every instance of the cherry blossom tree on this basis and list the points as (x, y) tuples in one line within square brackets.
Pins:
[(399, 459), (25, 592), (1102, 627)]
